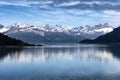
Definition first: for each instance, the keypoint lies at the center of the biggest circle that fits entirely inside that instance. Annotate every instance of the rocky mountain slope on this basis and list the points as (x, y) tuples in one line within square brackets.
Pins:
[(112, 37)]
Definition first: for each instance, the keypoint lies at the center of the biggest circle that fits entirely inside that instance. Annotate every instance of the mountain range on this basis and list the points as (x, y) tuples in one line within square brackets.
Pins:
[(48, 34)]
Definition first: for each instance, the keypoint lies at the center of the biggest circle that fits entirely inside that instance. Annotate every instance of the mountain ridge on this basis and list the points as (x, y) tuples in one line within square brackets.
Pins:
[(39, 34)]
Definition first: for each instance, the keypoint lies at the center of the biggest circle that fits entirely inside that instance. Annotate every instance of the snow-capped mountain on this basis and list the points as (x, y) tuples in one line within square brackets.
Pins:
[(3, 28), (38, 34)]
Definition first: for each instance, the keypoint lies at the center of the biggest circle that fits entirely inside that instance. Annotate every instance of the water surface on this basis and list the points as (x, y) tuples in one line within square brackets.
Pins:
[(60, 62)]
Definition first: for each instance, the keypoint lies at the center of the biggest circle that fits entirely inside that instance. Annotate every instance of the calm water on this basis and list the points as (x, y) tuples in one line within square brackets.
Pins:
[(60, 62)]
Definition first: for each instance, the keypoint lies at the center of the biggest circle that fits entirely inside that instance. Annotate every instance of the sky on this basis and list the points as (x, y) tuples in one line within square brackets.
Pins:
[(61, 12)]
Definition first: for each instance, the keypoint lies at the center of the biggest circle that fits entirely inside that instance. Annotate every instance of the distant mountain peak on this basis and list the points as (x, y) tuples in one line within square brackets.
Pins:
[(21, 25), (105, 25)]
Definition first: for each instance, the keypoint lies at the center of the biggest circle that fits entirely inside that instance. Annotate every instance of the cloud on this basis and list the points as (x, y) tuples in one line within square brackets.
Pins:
[(112, 13), (18, 3), (94, 6), (67, 4), (74, 12), (25, 3), (72, 3)]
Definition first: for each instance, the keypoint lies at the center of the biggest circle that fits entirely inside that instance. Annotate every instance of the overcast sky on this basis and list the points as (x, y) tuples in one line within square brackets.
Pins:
[(65, 12)]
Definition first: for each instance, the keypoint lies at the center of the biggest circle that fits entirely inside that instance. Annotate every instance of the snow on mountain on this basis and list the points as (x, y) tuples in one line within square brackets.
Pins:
[(56, 28), (3, 28), (57, 33), (104, 30)]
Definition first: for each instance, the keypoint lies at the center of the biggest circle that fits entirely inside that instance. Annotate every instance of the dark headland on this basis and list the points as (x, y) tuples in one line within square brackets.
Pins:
[(112, 37), (8, 41)]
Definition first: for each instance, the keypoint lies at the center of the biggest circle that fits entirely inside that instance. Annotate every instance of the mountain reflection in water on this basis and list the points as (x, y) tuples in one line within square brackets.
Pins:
[(55, 53), (73, 61)]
